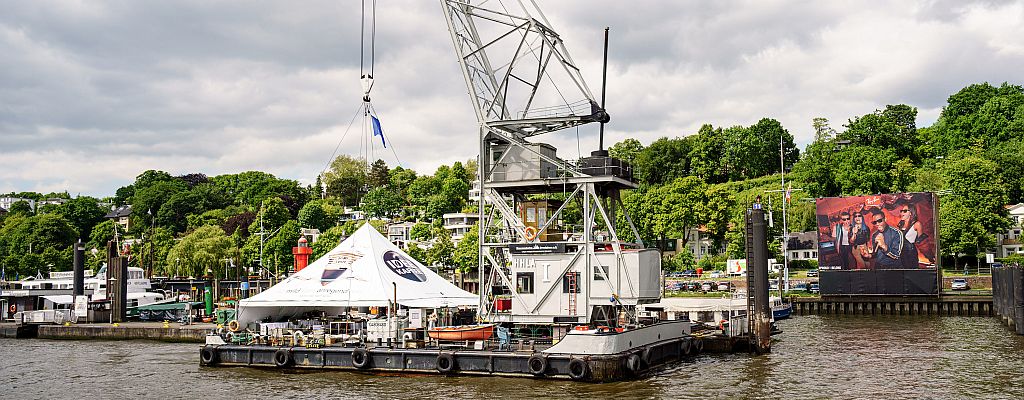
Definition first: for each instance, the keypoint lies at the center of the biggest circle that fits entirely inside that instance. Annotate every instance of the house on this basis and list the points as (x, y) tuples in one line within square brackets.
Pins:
[(697, 241), (311, 234), (459, 224), (802, 246), (1009, 242), (121, 216), (6, 202), (52, 201), (352, 214), (401, 233)]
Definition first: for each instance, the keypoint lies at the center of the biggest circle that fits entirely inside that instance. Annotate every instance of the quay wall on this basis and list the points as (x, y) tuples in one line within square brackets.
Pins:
[(123, 332), (886, 305), (1008, 296)]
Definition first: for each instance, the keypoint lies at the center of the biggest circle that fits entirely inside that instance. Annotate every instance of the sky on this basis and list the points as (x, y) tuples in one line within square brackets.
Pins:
[(92, 93)]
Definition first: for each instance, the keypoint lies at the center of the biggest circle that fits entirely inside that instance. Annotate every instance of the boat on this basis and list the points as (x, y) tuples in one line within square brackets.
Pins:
[(138, 288), (463, 332), (781, 309)]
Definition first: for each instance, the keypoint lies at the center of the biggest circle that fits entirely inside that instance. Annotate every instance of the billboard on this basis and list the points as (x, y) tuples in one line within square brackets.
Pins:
[(736, 266), (878, 244)]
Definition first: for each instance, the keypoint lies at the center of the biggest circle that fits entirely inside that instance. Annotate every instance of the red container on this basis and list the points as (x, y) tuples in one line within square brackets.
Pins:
[(503, 304)]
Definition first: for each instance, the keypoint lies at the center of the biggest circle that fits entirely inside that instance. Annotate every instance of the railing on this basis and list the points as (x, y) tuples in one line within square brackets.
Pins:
[(45, 317)]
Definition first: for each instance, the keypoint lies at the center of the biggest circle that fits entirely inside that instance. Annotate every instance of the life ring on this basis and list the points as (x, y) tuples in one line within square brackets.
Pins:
[(360, 358), (538, 364), (578, 369), (530, 233), (445, 363), (283, 358), (233, 326), (208, 355), (13, 308), (633, 363)]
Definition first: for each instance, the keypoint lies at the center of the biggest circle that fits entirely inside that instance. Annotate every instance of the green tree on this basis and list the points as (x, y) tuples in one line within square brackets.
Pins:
[(83, 213), (978, 198), (381, 202), (201, 252), (864, 170), (313, 215), (327, 241), (441, 253), (420, 231), (346, 179), (147, 200), (626, 150), (379, 176), (467, 252), (892, 128), (21, 207), (401, 179), (663, 161), (706, 155)]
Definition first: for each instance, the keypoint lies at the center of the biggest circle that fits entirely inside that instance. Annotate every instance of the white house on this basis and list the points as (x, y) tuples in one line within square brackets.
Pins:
[(459, 224), (1009, 242), (401, 233)]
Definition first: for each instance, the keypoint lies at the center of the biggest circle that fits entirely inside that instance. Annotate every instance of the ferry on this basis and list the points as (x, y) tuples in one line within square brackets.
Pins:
[(139, 288)]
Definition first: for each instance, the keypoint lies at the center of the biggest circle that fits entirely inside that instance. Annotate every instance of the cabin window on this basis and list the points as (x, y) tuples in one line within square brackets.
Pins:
[(524, 282), (565, 282), (705, 316), (597, 272)]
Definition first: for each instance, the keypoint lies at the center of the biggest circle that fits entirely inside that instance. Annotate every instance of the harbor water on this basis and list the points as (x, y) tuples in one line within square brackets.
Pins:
[(816, 357)]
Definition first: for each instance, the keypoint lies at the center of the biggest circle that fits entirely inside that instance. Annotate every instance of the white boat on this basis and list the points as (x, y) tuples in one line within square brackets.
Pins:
[(138, 288), (712, 311)]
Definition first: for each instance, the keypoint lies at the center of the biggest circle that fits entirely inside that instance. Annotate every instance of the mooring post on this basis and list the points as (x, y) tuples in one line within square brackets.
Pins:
[(757, 282)]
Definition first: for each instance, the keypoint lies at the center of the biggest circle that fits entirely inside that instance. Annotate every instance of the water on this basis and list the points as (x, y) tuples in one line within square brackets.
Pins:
[(817, 357)]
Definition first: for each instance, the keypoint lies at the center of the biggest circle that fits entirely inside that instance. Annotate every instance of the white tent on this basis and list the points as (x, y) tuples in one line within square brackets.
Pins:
[(364, 270)]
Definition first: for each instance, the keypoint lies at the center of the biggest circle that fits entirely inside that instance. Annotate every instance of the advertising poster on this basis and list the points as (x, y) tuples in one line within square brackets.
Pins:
[(886, 231)]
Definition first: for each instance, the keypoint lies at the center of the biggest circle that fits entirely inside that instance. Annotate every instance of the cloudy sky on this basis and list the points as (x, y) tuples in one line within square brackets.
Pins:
[(94, 92)]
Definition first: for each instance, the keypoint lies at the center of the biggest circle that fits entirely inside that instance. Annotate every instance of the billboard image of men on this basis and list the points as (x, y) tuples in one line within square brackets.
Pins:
[(887, 242), (841, 232)]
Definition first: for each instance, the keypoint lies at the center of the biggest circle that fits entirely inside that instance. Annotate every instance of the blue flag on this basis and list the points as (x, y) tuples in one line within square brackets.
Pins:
[(377, 131)]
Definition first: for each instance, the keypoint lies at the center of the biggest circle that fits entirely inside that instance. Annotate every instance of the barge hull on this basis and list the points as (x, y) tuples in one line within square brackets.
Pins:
[(599, 368)]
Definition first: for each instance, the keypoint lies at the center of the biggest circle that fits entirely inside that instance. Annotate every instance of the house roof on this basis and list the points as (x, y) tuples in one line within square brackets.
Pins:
[(119, 212)]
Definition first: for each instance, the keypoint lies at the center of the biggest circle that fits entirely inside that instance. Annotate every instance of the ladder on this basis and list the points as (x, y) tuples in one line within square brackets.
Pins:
[(573, 289)]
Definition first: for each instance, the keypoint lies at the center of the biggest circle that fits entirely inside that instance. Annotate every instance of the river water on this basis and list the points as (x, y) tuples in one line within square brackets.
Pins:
[(845, 357)]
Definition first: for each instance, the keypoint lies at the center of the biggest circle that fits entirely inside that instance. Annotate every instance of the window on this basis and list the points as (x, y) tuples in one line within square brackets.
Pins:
[(705, 316), (597, 272), (807, 254), (524, 282), (565, 282)]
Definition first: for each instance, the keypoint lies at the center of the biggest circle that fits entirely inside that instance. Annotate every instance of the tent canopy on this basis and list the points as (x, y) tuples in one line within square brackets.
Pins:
[(364, 270)]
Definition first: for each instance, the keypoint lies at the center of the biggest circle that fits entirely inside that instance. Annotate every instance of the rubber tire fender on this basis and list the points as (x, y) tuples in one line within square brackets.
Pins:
[(698, 346), (208, 355), (537, 364), (686, 346), (645, 356), (283, 358), (360, 358), (633, 363), (579, 369), (445, 363)]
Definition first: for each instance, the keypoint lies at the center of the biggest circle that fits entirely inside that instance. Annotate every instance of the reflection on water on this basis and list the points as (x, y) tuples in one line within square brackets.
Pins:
[(816, 357)]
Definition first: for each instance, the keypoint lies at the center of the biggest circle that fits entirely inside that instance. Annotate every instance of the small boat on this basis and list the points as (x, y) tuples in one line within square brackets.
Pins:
[(781, 309), (462, 332)]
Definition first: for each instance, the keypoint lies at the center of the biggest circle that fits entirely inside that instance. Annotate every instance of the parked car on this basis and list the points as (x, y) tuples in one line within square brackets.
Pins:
[(960, 284), (690, 273), (812, 273), (691, 286), (800, 287), (724, 286), (716, 274), (814, 288), (706, 286)]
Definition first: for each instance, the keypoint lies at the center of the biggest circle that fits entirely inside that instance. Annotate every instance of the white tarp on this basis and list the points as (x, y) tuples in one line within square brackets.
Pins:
[(364, 270)]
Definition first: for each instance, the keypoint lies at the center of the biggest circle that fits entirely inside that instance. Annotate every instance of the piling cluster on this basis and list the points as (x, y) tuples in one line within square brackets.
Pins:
[(1008, 295)]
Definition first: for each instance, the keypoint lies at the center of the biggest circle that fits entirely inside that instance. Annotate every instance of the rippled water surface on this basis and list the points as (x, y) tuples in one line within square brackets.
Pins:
[(816, 357)]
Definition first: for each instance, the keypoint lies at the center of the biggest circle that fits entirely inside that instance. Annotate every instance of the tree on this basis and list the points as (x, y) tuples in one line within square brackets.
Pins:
[(626, 150), (378, 177), (147, 201), (312, 215), (467, 252), (420, 231), (400, 179), (441, 253), (201, 252), (663, 161), (21, 207), (706, 155), (346, 179), (83, 213), (892, 128), (173, 214), (381, 202), (863, 170), (976, 185), (252, 187), (273, 215)]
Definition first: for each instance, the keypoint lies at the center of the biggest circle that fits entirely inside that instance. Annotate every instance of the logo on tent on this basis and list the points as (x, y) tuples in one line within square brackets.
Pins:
[(403, 266), (330, 275)]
